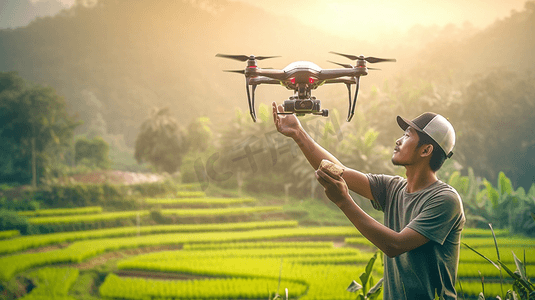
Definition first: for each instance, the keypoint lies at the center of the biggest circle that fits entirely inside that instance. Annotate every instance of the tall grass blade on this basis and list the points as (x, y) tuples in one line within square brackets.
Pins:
[(517, 278), (482, 284), (488, 259), (497, 251)]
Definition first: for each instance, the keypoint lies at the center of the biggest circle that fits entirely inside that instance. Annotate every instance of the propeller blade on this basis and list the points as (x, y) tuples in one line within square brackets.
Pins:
[(343, 65), (264, 57), (244, 57), (235, 71), (373, 60), (373, 69), (235, 57), (368, 59), (352, 57)]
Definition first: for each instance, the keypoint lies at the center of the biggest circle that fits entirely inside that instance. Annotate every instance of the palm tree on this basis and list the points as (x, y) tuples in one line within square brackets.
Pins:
[(161, 141)]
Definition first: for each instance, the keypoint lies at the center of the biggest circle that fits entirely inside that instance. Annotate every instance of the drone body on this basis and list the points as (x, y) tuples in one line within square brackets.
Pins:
[(302, 77)]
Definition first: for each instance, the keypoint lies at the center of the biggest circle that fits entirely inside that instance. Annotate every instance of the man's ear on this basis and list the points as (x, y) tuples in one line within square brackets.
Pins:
[(426, 150)]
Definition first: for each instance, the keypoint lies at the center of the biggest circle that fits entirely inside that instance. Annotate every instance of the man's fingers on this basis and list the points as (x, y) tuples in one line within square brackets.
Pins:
[(275, 116), (323, 178), (280, 108)]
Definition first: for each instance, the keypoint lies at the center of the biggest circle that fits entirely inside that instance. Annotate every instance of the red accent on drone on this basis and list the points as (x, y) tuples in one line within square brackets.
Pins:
[(311, 80), (292, 80)]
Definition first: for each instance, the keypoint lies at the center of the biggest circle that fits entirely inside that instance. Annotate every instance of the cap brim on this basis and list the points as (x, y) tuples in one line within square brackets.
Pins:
[(404, 124)]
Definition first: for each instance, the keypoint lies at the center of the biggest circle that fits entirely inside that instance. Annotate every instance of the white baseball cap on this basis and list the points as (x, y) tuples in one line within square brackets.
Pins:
[(436, 127)]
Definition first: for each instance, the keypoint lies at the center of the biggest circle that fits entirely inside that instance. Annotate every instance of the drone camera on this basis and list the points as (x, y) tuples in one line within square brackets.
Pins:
[(300, 107)]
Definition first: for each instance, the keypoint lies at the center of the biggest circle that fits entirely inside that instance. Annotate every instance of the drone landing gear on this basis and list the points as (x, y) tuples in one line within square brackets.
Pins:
[(251, 99), (351, 110)]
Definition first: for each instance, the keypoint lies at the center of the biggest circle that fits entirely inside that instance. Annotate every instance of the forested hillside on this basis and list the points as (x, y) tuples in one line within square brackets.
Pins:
[(115, 60)]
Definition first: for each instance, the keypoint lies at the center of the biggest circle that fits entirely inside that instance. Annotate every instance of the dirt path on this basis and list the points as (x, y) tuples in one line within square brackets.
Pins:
[(117, 255), (115, 177)]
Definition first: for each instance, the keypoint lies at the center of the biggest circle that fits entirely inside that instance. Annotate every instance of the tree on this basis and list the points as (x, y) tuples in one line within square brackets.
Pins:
[(93, 153), (161, 141), (34, 128)]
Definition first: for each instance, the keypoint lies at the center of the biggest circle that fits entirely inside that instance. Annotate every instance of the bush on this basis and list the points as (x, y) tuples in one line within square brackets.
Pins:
[(10, 220)]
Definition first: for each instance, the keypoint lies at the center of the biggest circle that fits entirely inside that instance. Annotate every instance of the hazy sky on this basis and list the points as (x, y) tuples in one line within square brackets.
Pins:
[(348, 16), (342, 17)]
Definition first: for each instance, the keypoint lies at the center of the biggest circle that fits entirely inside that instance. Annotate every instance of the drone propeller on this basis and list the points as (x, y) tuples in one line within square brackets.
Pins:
[(368, 59), (342, 65), (349, 66), (244, 57)]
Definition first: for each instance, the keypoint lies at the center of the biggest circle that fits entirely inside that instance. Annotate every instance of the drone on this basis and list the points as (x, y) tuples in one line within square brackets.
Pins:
[(302, 77)]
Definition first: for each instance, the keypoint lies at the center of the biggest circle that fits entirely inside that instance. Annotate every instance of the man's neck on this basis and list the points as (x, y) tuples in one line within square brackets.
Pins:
[(419, 178)]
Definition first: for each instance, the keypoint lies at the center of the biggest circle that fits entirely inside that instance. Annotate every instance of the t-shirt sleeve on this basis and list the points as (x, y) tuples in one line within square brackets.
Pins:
[(379, 185), (440, 215)]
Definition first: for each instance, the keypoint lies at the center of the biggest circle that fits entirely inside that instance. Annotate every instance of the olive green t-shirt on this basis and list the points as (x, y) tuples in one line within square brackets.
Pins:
[(436, 212)]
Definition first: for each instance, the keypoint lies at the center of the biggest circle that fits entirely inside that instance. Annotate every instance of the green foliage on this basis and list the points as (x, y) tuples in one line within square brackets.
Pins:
[(10, 220), (161, 141), (33, 123), (367, 290), (502, 206), (109, 195), (93, 153), (496, 112), (199, 134), (52, 283)]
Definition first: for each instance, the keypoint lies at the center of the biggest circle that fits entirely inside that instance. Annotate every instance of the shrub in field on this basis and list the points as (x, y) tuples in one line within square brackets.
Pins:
[(61, 211), (367, 290), (52, 283), (10, 220)]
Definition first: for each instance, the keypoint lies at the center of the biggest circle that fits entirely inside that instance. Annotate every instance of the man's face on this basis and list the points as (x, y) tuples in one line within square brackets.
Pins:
[(405, 151)]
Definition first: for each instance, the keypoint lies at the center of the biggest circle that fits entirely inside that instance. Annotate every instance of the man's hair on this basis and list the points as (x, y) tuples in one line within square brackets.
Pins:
[(438, 156)]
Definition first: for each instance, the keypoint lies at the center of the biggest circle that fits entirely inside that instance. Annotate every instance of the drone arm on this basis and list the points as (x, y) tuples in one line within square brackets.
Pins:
[(263, 80), (327, 74), (346, 80), (269, 73)]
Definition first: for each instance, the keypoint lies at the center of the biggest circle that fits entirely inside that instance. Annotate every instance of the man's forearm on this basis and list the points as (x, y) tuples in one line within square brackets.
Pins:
[(392, 243), (313, 152)]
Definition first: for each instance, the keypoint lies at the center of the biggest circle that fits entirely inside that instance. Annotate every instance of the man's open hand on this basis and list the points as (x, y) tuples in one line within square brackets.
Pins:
[(286, 124)]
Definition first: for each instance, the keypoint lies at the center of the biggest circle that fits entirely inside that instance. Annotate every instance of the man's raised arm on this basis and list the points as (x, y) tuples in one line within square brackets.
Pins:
[(290, 126)]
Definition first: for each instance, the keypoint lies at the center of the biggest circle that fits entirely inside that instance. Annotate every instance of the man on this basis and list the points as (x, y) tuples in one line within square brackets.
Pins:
[(423, 216)]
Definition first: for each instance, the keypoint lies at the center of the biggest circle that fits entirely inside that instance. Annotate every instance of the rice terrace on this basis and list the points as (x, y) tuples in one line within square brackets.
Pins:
[(185, 244)]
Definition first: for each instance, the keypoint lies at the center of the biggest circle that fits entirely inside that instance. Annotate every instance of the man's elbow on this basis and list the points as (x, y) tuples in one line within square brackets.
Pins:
[(393, 251)]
